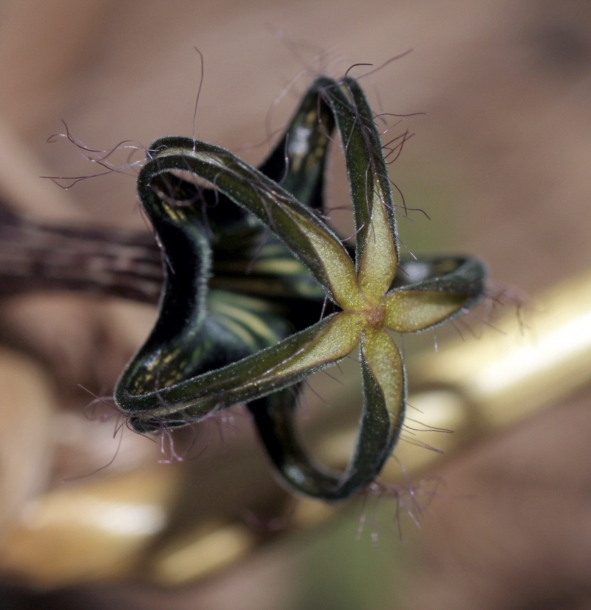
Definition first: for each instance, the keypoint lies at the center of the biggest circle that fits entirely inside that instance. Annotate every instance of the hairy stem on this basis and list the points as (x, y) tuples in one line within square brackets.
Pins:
[(112, 262)]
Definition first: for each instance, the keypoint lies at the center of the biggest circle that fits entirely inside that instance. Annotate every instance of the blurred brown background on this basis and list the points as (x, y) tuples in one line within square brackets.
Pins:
[(501, 164)]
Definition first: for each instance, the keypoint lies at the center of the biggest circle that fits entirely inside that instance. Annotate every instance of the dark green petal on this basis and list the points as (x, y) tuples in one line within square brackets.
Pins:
[(368, 178), (310, 240), (298, 160), (250, 378), (381, 420)]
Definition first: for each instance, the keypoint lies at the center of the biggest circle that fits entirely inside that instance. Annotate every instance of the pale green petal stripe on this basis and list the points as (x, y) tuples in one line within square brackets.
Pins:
[(383, 359), (337, 265), (254, 322), (379, 260), (412, 310), (333, 343)]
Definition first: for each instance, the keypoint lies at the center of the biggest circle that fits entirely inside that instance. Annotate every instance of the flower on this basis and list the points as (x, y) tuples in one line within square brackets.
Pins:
[(249, 264)]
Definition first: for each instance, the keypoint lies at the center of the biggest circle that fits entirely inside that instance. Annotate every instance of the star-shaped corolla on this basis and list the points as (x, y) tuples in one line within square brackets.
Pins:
[(244, 325)]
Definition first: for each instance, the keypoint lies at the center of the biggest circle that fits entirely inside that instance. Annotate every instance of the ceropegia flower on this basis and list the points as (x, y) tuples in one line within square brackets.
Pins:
[(249, 264)]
